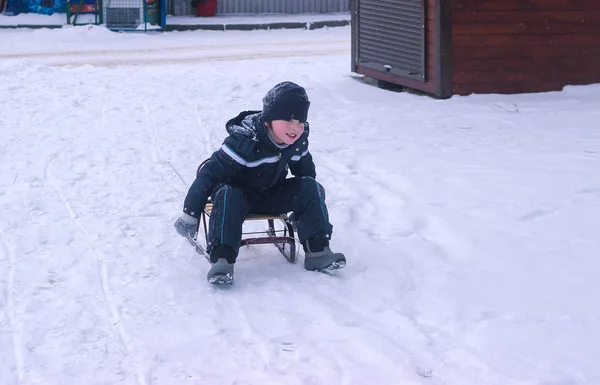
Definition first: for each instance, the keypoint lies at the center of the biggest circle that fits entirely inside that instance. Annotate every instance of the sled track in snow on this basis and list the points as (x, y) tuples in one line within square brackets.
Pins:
[(153, 50), (10, 310), (102, 271), (208, 59), (150, 127), (185, 55)]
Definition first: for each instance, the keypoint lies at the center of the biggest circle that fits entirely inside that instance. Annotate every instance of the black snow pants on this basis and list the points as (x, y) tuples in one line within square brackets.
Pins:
[(304, 196)]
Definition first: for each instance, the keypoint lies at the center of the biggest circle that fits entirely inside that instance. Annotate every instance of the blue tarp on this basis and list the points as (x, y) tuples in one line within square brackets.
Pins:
[(45, 7), (13, 7)]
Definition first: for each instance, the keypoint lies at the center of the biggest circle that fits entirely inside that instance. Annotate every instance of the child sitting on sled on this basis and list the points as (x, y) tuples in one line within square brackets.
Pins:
[(248, 175)]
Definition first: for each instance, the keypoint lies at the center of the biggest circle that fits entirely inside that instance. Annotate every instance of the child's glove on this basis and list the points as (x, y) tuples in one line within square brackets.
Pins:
[(186, 225)]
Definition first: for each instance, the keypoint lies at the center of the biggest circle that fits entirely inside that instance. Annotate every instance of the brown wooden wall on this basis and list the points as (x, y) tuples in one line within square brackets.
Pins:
[(510, 46), (431, 84)]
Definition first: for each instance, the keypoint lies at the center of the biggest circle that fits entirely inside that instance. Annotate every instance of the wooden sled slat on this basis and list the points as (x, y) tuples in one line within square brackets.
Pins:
[(251, 217)]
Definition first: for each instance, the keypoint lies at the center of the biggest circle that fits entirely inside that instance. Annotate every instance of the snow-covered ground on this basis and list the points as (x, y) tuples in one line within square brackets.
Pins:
[(471, 225)]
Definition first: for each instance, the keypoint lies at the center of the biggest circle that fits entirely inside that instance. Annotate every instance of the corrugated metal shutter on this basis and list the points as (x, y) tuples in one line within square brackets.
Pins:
[(282, 6), (232, 7), (180, 7), (391, 36)]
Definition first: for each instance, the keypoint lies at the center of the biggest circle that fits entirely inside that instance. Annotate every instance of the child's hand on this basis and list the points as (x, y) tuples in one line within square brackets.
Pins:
[(186, 225)]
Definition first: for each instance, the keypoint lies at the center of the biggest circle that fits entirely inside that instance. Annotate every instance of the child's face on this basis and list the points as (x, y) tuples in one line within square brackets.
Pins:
[(286, 131)]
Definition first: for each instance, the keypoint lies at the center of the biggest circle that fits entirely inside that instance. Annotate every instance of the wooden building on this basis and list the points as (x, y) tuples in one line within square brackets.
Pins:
[(459, 47)]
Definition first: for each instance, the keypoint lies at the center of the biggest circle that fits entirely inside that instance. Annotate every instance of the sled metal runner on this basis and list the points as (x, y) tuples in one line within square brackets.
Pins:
[(283, 239)]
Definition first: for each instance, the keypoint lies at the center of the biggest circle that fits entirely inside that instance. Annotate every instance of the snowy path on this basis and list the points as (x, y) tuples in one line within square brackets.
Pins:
[(470, 225), (169, 51)]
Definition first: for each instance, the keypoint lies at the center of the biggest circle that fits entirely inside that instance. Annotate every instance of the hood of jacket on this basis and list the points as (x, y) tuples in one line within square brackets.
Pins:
[(248, 124)]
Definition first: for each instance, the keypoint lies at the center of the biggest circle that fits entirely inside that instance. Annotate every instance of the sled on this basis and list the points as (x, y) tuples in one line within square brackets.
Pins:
[(283, 238)]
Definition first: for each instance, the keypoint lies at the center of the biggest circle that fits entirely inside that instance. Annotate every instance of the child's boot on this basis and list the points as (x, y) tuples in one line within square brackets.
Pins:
[(222, 258), (221, 272), (319, 257), (325, 260)]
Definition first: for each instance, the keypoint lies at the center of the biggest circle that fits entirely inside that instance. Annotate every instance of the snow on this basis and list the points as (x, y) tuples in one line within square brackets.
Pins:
[(470, 224)]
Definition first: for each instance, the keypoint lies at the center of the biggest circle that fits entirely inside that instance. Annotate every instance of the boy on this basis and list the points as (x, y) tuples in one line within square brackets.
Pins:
[(248, 175)]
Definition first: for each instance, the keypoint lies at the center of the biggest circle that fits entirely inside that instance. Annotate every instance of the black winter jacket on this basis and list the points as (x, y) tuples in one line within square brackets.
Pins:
[(249, 159)]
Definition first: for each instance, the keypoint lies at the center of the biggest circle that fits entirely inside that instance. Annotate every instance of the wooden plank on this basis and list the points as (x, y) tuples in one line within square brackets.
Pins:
[(541, 53), (430, 13), (252, 217), (529, 75), (510, 88), (506, 65), (513, 17), (429, 39), (524, 5), (354, 40), (430, 10), (527, 28), (430, 74), (443, 49), (502, 88), (482, 40)]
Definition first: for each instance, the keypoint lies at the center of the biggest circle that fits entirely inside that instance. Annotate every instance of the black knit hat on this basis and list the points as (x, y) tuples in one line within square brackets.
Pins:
[(286, 101)]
